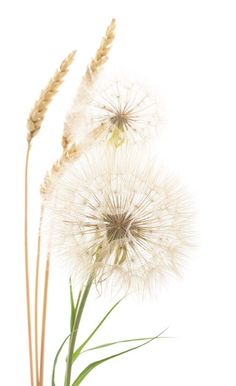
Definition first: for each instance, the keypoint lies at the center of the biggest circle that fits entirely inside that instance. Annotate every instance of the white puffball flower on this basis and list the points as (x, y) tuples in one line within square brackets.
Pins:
[(115, 214), (127, 110)]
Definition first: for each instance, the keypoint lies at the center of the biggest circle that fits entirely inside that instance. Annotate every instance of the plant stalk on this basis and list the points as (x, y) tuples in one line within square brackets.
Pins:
[(36, 295), (74, 332), (27, 280), (44, 315)]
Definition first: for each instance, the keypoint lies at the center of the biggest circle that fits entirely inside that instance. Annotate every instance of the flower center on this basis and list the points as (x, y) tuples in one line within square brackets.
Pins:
[(117, 225), (120, 119), (119, 122)]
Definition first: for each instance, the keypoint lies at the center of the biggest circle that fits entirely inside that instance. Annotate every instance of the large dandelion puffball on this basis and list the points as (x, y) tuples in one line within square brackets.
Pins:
[(114, 214), (126, 109)]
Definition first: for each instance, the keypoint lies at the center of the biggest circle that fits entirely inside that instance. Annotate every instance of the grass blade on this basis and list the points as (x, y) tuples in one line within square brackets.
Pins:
[(80, 348), (56, 359), (118, 342), (72, 307), (72, 319), (92, 365)]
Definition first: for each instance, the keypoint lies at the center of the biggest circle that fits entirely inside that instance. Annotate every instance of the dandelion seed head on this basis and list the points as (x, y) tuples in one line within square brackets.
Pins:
[(116, 215), (127, 110)]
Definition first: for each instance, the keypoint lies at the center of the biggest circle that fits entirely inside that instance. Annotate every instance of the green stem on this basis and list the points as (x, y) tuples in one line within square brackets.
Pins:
[(79, 312)]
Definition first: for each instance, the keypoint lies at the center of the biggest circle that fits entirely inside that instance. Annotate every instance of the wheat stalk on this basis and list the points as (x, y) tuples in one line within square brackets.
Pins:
[(27, 281), (44, 313), (92, 70), (38, 112), (34, 123)]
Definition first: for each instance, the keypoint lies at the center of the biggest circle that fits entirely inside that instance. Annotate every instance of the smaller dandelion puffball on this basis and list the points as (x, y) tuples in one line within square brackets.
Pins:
[(126, 110), (114, 214)]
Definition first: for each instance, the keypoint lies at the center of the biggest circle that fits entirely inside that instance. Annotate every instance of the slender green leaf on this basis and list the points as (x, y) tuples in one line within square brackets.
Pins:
[(72, 319), (72, 307), (92, 365), (118, 342), (82, 298), (80, 348), (78, 299), (56, 359)]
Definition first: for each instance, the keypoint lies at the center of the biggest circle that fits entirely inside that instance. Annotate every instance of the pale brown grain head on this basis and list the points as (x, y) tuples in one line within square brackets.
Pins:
[(71, 153), (37, 114), (102, 52), (92, 70)]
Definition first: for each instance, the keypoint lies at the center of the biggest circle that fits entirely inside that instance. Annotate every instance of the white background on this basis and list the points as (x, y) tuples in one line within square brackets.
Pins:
[(186, 51)]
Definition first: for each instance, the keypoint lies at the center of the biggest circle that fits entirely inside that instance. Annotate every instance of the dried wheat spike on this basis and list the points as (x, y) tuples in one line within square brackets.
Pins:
[(102, 52), (70, 154), (38, 112), (73, 151), (92, 70)]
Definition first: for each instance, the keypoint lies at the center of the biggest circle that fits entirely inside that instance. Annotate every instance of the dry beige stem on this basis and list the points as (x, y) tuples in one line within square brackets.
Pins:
[(33, 125), (92, 70), (38, 112)]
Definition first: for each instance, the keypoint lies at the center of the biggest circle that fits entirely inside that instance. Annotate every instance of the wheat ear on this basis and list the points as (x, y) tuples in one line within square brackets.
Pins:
[(38, 112), (92, 70), (102, 52), (73, 152)]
